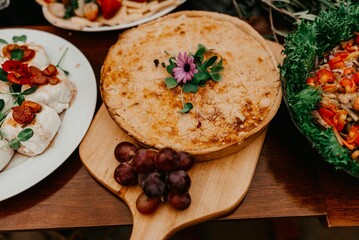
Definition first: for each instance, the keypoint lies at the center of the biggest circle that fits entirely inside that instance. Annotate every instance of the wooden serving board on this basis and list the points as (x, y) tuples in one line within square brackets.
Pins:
[(218, 186)]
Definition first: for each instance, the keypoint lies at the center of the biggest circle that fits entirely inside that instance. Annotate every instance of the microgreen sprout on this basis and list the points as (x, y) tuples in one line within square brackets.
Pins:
[(15, 90), (22, 136), (58, 64)]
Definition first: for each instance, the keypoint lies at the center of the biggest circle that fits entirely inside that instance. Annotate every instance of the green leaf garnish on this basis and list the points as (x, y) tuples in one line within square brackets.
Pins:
[(15, 88), (2, 104), (15, 144), (189, 87), (22, 136), (209, 62), (215, 77), (21, 38), (186, 108), (58, 64), (25, 134), (17, 54), (201, 49), (30, 90), (3, 75), (171, 82), (3, 41), (20, 99)]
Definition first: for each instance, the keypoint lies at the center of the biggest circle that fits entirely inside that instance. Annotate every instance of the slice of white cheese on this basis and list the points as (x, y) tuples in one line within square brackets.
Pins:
[(56, 96), (45, 126), (6, 153)]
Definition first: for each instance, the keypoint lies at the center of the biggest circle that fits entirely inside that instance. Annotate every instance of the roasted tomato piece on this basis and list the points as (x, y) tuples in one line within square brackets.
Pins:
[(325, 76), (348, 71), (28, 53), (339, 120), (7, 49), (353, 135), (311, 81), (338, 60), (348, 84), (50, 70), (23, 114), (35, 107)]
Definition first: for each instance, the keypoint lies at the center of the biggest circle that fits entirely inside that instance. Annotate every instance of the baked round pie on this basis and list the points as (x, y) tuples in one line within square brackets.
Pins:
[(210, 118)]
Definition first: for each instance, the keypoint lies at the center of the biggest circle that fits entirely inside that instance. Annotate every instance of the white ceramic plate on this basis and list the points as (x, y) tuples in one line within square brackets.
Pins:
[(67, 24), (24, 172)]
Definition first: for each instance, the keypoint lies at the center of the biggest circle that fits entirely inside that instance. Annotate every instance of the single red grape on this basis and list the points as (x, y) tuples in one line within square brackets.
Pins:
[(154, 184), (186, 160), (167, 160), (178, 181), (147, 205), (143, 161), (124, 151), (179, 201), (125, 174)]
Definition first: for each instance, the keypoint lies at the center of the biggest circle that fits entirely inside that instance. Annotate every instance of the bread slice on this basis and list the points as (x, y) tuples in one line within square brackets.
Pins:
[(226, 115)]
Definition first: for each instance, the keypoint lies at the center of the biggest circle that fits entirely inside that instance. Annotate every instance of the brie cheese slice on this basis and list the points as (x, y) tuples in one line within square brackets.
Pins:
[(45, 126), (56, 96)]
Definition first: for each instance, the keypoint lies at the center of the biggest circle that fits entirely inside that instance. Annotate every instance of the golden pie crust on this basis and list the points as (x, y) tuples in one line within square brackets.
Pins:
[(226, 115)]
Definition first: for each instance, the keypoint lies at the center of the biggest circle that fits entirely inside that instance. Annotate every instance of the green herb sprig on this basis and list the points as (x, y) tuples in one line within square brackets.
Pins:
[(15, 90), (59, 62), (2, 105), (22, 136)]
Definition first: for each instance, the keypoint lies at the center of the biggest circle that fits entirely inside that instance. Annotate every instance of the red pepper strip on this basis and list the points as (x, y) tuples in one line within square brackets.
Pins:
[(327, 115)]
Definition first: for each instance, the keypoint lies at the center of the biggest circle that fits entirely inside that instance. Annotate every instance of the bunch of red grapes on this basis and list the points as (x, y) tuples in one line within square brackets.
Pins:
[(161, 174)]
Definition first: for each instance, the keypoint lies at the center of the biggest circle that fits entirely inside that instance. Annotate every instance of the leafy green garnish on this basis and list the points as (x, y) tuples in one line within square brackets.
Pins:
[(21, 38), (17, 54), (310, 41), (15, 90), (205, 70), (2, 104), (186, 108), (3, 41), (3, 75), (22, 136), (171, 82)]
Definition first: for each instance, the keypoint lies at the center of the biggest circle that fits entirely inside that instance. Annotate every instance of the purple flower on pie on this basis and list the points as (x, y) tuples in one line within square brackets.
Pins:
[(186, 68)]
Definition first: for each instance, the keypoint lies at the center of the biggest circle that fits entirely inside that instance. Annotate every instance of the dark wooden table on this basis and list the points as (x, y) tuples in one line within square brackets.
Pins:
[(290, 179)]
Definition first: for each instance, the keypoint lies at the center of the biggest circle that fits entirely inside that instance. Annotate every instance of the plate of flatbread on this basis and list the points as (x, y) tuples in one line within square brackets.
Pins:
[(130, 13), (65, 106)]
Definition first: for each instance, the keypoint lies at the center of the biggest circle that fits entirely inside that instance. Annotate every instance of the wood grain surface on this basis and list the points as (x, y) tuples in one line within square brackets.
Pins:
[(290, 180), (218, 186)]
